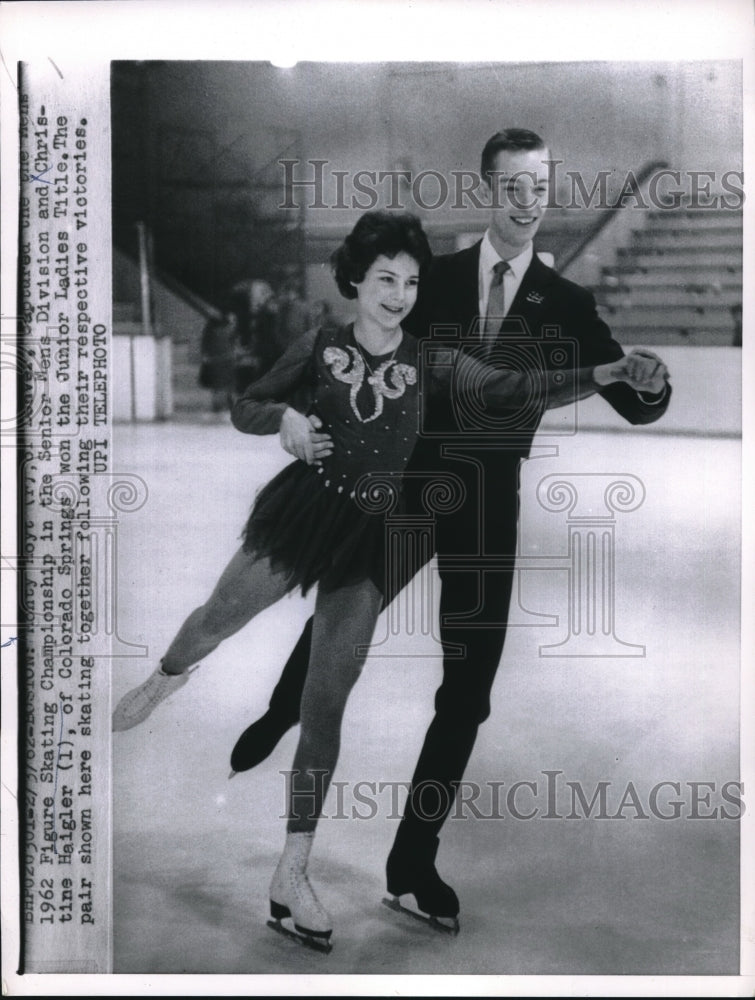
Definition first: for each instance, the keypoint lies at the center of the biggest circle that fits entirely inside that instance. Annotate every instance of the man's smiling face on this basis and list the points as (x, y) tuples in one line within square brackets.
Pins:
[(519, 194)]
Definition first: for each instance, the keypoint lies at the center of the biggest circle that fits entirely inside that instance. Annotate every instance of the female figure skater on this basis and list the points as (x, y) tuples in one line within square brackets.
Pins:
[(310, 524)]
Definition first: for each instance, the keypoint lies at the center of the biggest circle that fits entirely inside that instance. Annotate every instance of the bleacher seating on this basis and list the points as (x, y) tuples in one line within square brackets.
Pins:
[(679, 279)]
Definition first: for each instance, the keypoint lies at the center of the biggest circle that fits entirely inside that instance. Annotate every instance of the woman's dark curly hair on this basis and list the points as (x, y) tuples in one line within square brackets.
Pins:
[(378, 232)]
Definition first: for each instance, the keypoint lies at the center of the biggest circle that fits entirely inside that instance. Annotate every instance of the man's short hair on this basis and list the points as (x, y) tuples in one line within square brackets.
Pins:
[(510, 139)]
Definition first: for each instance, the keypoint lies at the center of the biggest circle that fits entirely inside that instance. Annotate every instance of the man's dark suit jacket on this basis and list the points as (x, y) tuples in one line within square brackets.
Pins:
[(488, 463), (545, 301)]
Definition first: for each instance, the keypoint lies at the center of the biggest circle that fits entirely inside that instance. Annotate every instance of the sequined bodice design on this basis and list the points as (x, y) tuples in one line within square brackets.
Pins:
[(367, 404)]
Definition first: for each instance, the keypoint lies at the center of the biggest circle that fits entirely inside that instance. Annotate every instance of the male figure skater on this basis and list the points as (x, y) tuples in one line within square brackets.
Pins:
[(500, 276)]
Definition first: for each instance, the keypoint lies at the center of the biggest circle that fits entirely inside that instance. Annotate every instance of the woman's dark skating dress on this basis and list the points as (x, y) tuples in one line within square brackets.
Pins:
[(326, 524)]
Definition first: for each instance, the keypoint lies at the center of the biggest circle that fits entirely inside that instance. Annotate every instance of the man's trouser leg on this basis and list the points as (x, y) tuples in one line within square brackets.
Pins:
[(462, 703), (484, 525)]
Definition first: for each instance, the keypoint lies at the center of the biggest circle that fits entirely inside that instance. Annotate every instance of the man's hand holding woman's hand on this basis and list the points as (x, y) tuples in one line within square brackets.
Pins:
[(300, 437), (643, 370)]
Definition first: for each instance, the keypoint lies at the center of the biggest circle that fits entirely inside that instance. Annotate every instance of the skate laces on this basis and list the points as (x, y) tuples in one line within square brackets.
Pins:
[(136, 705), (296, 889), (161, 684)]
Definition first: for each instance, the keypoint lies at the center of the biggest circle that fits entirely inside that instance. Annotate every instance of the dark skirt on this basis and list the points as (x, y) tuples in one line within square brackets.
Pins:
[(314, 534)]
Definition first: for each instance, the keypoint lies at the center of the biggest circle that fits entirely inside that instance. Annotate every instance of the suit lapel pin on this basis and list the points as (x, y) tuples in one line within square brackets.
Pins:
[(535, 297)]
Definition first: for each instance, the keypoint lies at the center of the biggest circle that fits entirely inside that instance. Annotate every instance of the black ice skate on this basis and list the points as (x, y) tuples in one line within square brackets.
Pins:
[(411, 871), (259, 740)]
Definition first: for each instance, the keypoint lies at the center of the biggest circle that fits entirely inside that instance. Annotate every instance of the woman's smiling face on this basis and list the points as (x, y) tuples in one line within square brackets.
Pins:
[(388, 291)]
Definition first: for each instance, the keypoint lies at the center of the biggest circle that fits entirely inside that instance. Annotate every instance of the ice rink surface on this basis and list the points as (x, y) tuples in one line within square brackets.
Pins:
[(633, 893)]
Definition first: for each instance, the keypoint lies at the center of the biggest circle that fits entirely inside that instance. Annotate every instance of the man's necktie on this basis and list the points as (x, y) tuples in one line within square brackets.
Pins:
[(496, 302)]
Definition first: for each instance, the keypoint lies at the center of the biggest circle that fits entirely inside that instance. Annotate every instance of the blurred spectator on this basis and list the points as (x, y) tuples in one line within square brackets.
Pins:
[(256, 316), (293, 315), (322, 315), (217, 368)]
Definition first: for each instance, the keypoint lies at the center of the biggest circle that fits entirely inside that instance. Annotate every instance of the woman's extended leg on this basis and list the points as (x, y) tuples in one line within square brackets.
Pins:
[(246, 587), (344, 622)]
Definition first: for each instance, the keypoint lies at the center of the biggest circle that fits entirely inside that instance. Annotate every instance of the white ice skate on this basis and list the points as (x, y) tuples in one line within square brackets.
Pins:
[(139, 703), (291, 895)]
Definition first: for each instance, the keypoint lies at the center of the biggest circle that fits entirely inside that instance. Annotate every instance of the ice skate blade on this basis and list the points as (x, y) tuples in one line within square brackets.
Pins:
[(322, 945), (435, 922)]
